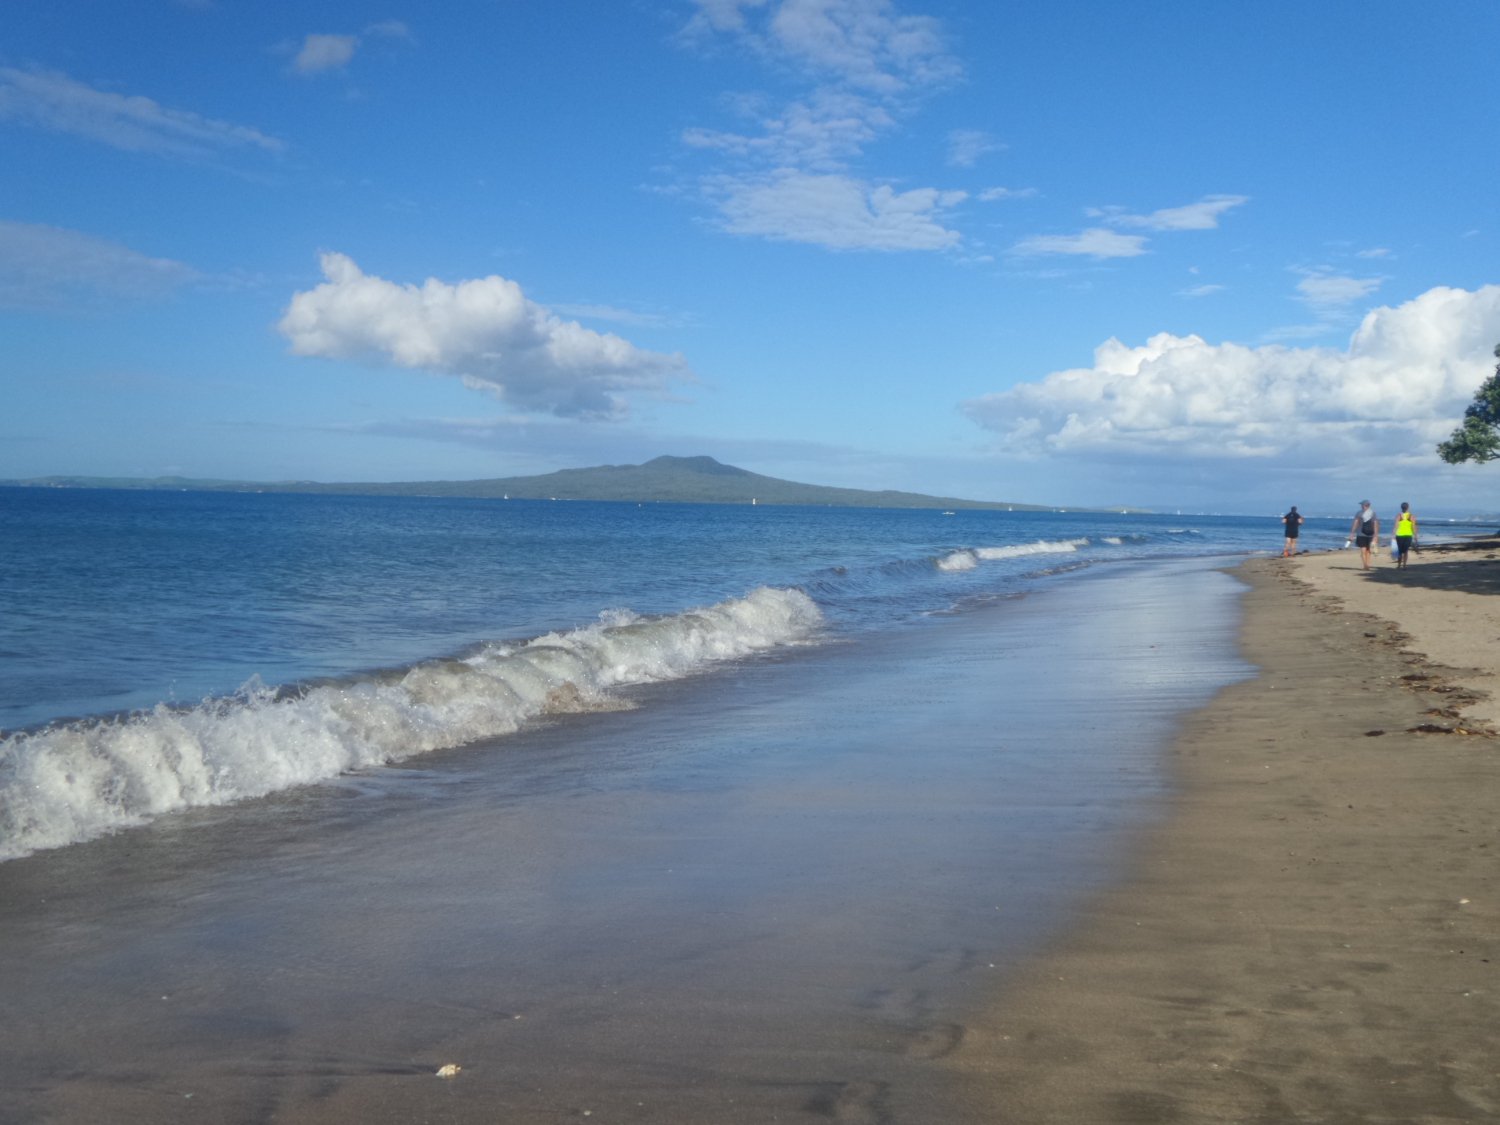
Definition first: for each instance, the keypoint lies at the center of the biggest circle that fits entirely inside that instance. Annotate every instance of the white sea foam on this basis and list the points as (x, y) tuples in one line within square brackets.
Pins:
[(65, 784), (970, 557)]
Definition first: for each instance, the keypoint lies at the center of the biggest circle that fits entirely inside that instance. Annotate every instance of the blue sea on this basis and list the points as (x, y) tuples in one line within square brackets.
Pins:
[(164, 650), (654, 813)]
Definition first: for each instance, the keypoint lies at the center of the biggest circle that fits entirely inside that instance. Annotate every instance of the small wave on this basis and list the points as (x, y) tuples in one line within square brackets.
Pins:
[(65, 784), (970, 557)]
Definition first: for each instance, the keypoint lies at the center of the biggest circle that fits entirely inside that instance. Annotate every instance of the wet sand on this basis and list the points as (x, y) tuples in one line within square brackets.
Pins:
[(1314, 934)]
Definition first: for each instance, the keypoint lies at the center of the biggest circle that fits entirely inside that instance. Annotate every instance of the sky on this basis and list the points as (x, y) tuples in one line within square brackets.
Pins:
[(1207, 256)]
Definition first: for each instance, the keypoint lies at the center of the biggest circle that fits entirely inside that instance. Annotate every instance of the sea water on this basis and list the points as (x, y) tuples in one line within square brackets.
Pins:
[(166, 650), (658, 813)]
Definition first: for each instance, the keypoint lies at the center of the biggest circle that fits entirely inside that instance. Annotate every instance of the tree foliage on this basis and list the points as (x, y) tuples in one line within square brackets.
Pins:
[(1478, 438)]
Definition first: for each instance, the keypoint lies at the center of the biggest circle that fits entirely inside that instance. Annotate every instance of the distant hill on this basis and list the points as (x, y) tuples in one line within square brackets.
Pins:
[(694, 480)]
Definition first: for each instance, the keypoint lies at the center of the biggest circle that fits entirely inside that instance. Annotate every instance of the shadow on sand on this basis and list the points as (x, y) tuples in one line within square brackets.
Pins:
[(1473, 567)]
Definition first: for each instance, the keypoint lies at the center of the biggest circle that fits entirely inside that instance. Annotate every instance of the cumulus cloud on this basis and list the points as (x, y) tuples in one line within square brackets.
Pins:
[(484, 331), (838, 212), (50, 267), (51, 100), (1096, 242), (1407, 373)]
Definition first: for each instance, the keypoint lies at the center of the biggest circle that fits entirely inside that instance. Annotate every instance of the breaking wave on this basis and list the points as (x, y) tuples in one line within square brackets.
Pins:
[(68, 783), (970, 557)]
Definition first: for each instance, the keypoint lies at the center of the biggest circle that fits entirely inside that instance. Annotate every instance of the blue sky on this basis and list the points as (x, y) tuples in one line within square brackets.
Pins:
[(1211, 256)]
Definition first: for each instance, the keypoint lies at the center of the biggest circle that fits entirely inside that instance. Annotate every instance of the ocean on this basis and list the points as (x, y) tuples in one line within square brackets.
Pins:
[(165, 650), (658, 812)]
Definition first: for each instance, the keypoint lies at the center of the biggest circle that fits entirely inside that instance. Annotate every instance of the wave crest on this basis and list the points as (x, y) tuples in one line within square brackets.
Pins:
[(970, 557), (69, 783)]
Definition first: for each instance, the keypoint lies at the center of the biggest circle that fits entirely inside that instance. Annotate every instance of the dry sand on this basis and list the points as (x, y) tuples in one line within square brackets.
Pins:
[(1314, 934)]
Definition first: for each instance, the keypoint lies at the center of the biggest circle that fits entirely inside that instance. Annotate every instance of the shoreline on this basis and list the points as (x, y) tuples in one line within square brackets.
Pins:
[(1312, 934), (768, 895)]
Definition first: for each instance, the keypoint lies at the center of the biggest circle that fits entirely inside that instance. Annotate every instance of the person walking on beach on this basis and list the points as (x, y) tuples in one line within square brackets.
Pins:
[(1365, 531), (1406, 532), (1293, 521)]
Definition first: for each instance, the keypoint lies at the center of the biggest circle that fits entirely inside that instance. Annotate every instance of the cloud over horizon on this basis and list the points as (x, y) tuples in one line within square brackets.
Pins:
[(1400, 386), (484, 331)]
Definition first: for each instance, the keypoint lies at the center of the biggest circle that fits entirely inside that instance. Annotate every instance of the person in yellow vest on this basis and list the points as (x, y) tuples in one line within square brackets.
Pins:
[(1406, 531)]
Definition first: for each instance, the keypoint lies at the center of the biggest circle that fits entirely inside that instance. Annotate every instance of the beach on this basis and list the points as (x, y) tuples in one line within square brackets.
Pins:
[(1027, 861), (769, 893), (1314, 933)]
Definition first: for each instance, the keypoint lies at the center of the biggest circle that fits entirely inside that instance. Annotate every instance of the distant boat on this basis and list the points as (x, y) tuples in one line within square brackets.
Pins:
[(947, 513)]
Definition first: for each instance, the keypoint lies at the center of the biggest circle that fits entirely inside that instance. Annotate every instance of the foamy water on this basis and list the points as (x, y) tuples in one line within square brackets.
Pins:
[(163, 651), (69, 783), (970, 557)]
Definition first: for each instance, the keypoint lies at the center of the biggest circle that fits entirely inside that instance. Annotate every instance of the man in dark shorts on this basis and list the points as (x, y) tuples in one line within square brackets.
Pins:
[(1293, 521), (1365, 531)]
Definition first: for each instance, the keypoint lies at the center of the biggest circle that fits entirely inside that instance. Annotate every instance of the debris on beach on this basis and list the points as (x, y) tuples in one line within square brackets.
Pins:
[(448, 1070)]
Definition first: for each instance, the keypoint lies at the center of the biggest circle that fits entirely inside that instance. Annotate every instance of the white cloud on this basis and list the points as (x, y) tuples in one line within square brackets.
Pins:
[(320, 53), (822, 131), (1374, 252), (48, 267), (994, 194), (1202, 215), (1096, 242), (864, 43), (966, 146), (484, 331), (721, 15), (1102, 242), (838, 212), (51, 100), (325, 52), (863, 65), (389, 29), (1201, 291), (616, 315), (1327, 292), (1407, 374)]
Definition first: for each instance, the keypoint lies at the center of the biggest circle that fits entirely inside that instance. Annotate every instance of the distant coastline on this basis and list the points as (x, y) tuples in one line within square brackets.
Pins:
[(686, 480)]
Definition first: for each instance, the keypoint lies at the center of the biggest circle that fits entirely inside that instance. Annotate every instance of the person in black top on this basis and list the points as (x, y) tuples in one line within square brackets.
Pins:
[(1365, 530), (1293, 521)]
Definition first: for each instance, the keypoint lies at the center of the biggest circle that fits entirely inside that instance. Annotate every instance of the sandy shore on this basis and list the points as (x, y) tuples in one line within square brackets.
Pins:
[(1314, 935)]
